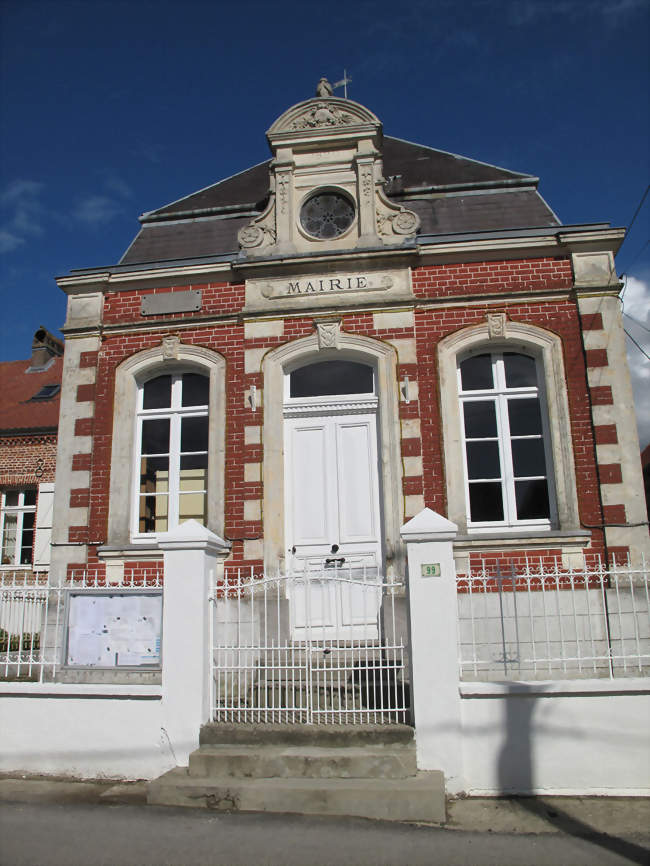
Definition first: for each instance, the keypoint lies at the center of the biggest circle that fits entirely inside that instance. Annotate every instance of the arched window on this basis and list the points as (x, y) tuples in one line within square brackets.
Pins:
[(505, 436), (172, 435)]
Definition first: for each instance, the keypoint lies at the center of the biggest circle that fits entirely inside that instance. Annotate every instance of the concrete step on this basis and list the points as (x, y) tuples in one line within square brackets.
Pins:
[(328, 736), (392, 761), (418, 798)]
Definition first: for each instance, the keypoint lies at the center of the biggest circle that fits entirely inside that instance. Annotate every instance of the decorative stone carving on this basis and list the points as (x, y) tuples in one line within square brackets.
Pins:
[(261, 231), (283, 190), (170, 347), (404, 223), (367, 181), (328, 334), (254, 236), (322, 115), (496, 325)]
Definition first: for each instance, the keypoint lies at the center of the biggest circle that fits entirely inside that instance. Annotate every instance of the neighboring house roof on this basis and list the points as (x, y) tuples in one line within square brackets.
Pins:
[(451, 194), (19, 411)]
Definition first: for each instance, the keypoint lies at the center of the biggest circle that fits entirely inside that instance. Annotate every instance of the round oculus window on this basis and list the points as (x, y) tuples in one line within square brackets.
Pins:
[(327, 215)]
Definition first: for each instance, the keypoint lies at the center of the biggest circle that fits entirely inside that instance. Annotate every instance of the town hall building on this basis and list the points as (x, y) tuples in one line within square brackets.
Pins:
[(347, 482), (304, 355)]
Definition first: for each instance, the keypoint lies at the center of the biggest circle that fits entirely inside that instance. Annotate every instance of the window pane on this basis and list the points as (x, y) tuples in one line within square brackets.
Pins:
[(157, 393), (9, 539), (194, 434), (194, 476), (532, 500), (27, 540), (485, 501), (154, 475), (476, 373), (520, 370), (153, 514), (331, 377), (483, 460), (192, 506), (155, 436), (528, 457), (11, 498), (196, 390), (480, 419), (525, 417), (30, 497)]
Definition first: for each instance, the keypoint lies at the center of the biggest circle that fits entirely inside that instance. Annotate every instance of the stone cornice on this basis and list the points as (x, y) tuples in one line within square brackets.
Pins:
[(484, 246)]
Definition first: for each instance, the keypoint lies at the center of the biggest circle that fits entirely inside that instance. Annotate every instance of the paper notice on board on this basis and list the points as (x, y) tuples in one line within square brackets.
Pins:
[(114, 630)]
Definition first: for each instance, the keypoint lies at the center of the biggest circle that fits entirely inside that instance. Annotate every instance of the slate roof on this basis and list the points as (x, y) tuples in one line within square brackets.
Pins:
[(18, 412), (455, 194)]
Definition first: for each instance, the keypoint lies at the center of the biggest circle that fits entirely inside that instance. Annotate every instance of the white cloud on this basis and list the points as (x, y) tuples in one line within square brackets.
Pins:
[(636, 321), (9, 241), (524, 12), (115, 184), (97, 210), (23, 213)]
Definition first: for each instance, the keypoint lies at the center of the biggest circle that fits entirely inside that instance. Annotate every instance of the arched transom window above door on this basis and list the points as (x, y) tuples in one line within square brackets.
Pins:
[(327, 378)]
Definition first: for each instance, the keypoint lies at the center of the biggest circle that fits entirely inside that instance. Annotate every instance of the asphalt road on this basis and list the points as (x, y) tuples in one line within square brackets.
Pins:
[(81, 834)]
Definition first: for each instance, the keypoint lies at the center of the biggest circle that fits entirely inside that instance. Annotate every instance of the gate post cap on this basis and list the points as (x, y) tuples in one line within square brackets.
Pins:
[(428, 525), (191, 535)]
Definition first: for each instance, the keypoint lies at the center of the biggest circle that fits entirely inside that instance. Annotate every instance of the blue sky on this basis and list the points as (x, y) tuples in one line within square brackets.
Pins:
[(114, 108)]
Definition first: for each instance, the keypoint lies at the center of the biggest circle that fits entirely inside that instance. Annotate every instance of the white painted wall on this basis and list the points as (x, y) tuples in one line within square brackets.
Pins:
[(573, 737), (84, 731)]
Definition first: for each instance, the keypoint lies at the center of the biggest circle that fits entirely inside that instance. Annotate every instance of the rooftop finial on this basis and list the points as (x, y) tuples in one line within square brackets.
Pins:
[(324, 88)]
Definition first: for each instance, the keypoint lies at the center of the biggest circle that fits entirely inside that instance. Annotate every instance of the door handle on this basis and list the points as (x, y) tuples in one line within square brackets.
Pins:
[(339, 559)]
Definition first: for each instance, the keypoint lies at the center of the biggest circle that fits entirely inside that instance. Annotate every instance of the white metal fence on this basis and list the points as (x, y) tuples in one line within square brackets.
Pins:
[(33, 618), (319, 647), (549, 622)]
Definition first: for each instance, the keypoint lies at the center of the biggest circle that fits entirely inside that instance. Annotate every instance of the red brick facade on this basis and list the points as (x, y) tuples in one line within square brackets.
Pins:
[(513, 288)]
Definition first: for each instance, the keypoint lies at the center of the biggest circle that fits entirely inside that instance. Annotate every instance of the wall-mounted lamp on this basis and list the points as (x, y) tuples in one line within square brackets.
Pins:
[(405, 390)]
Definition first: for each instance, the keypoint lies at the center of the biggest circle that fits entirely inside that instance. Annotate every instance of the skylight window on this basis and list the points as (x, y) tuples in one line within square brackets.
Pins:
[(46, 392)]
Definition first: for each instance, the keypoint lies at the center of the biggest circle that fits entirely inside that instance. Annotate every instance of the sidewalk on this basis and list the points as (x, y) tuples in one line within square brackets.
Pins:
[(581, 816)]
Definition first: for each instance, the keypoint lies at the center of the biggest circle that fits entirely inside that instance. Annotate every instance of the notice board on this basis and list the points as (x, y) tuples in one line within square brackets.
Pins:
[(114, 629)]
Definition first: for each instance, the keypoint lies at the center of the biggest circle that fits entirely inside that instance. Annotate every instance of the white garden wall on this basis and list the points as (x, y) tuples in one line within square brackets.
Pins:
[(571, 737), (85, 731)]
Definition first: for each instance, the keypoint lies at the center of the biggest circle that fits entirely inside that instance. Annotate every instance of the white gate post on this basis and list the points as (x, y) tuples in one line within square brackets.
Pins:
[(190, 554), (433, 618)]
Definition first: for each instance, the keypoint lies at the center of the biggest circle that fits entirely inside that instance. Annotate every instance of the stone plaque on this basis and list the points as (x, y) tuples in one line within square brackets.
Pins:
[(325, 290), (171, 302)]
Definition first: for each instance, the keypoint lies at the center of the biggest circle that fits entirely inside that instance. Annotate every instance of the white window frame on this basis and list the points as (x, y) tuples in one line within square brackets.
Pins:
[(175, 413), (501, 396), (547, 348), (19, 512), (129, 374)]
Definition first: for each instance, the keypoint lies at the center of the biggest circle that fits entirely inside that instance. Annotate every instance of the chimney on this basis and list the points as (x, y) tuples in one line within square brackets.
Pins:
[(45, 347)]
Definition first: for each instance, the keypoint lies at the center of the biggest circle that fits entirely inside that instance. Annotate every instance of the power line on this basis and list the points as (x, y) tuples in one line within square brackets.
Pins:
[(636, 322), (638, 254), (640, 348), (636, 213)]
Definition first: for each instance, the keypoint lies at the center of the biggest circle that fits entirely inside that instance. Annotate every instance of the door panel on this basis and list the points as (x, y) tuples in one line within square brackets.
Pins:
[(333, 525), (309, 484), (356, 482)]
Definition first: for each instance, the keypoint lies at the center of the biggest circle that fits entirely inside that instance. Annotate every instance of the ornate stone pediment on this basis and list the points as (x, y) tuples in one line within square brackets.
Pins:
[(322, 114), (326, 184)]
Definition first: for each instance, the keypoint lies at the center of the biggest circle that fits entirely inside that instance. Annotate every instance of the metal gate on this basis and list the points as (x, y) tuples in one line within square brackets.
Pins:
[(321, 647)]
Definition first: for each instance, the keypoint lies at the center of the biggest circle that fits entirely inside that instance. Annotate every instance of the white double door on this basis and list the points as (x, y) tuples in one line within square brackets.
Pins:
[(333, 527)]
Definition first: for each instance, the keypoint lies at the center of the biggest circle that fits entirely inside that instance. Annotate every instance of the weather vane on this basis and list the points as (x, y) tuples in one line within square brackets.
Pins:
[(343, 83)]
